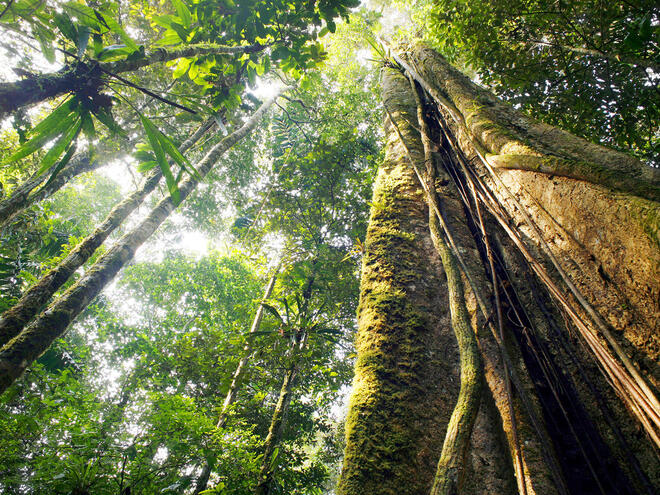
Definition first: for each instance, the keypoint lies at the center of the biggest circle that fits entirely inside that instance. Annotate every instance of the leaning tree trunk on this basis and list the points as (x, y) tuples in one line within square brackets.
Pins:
[(33, 300), (278, 420), (33, 341), (23, 196), (556, 246)]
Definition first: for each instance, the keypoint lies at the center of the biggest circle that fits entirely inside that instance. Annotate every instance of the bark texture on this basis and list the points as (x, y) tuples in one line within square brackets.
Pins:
[(406, 377), (23, 349), (581, 215), (586, 227)]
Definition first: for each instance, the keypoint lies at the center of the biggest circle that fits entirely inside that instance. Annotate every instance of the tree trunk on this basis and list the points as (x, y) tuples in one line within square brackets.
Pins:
[(23, 349), (14, 319), (14, 95), (203, 479), (407, 370), (561, 427), (278, 420), (21, 198)]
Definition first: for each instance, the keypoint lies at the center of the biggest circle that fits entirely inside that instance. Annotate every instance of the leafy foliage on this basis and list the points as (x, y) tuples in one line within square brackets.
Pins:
[(590, 68)]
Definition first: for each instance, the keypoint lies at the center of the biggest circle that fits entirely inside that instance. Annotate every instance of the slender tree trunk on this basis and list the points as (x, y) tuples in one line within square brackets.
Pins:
[(247, 350), (23, 349), (236, 378), (21, 198), (278, 420), (15, 95), (14, 319)]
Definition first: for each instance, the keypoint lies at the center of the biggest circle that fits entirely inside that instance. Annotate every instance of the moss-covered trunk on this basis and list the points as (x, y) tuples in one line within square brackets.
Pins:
[(407, 372), (575, 238)]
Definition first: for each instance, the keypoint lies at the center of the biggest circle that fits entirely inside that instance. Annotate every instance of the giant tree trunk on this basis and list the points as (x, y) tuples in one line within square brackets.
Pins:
[(562, 428)]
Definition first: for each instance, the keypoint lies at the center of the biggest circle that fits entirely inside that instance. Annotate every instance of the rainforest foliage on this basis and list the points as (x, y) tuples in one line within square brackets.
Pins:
[(114, 112)]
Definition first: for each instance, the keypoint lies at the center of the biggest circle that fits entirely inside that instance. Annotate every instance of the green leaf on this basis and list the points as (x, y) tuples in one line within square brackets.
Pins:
[(181, 67), (193, 71), (66, 27), (164, 21), (97, 44), (85, 15), (182, 12), (83, 40), (114, 51), (55, 118), (181, 31), (272, 311), (280, 52), (62, 144), (146, 166), (62, 163), (105, 117), (153, 137), (117, 29), (88, 125), (170, 37), (175, 154), (53, 125), (273, 459), (143, 155), (45, 43)]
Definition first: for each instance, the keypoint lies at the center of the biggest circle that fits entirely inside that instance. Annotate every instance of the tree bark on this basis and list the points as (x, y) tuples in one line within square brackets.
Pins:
[(23, 349), (15, 95), (587, 229), (32, 301), (406, 377), (520, 142), (561, 232), (450, 473)]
